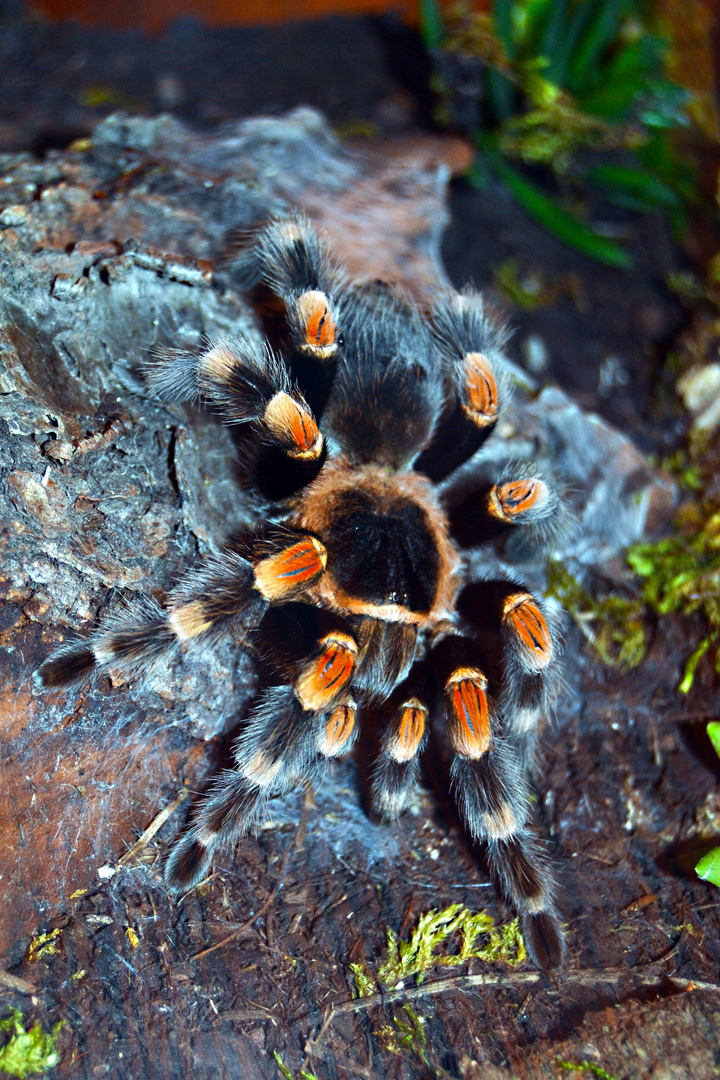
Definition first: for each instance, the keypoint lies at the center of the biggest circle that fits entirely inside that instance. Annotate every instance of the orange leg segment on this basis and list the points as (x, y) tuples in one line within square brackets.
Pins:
[(323, 679), (468, 712), (282, 575), (525, 625)]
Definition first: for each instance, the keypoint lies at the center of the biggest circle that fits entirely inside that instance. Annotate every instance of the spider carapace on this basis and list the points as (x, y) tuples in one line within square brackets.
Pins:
[(356, 592)]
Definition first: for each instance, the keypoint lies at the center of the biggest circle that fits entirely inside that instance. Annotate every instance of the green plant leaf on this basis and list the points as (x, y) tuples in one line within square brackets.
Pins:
[(636, 190), (529, 23), (574, 28), (501, 95), (709, 867), (713, 730), (432, 29), (554, 217), (503, 25), (554, 25), (600, 30), (624, 78)]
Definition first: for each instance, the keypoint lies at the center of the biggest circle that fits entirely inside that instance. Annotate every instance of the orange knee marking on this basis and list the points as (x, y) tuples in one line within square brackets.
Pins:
[(470, 732), (292, 424), (524, 621), (512, 500), (282, 575), (403, 744), (337, 731), (317, 323), (325, 677), (481, 396)]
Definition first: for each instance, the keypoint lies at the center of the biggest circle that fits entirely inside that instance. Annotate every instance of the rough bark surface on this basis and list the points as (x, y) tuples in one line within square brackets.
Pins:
[(107, 254)]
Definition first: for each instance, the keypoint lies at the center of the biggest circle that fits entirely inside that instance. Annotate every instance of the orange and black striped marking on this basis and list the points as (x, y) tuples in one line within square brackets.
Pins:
[(469, 712), (480, 398), (293, 425), (280, 576), (513, 500), (524, 623), (322, 681), (317, 323), (410, 728), (338, 730)]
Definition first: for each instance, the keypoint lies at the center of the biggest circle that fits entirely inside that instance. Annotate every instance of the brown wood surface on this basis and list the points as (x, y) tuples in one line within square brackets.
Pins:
[(155, 16)]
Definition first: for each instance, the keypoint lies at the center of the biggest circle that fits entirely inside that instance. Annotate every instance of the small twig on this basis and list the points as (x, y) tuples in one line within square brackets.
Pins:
[(144, 839), (14, 982), (516, 978), (248, 924)]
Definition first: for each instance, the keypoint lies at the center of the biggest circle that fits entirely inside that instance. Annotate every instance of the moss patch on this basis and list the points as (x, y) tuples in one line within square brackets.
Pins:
[(430, 946), (613, 624), (27, 1052)]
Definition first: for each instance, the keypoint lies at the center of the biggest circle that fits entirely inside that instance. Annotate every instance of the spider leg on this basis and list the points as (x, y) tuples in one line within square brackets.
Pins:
[(524, 498), (227, 592), (288, 256), (283, 745), (396, 769), (272, 755), (490, 786), (470, 347), (531, 643), (246, 383), (387, 651)]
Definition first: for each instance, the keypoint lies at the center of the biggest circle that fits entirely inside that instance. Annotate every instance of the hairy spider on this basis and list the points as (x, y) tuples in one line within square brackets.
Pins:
[(355, 590)]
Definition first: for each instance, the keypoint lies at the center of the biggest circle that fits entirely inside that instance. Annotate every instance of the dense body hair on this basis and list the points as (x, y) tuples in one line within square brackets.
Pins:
[(354, 593)]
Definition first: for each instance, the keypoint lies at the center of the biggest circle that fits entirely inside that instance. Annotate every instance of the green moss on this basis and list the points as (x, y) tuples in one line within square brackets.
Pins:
[(285, 1072), (27, 1052), (682, 574), (430, 944), (43, 945), (364, 983), (406, 1037), (613, 624), (584, 1066)]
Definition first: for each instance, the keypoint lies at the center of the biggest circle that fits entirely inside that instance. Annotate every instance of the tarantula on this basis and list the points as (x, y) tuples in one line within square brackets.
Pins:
[(355, 590)]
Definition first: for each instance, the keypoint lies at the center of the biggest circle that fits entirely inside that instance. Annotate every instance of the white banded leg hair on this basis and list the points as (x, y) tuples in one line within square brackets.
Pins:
[(492, 795), (227, 591), (282, 745), (404, 739)]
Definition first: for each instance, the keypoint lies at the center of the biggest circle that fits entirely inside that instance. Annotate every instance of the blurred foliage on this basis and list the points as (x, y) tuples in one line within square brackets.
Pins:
[(530, 289), (560, 84)]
